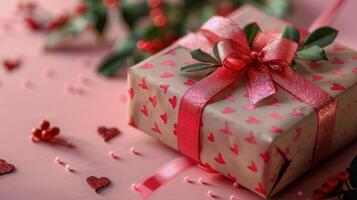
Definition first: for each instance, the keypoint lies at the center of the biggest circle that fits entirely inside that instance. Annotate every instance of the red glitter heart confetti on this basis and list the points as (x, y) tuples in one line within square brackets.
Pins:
[(108, 133), (11, 64), (97, 183), (6, 167)]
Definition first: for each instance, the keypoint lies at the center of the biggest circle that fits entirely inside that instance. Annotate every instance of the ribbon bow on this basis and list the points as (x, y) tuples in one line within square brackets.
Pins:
[(268, 52), (266, 62)]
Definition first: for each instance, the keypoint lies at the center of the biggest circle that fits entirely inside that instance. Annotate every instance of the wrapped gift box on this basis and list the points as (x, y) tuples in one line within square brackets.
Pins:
[(264, 147)]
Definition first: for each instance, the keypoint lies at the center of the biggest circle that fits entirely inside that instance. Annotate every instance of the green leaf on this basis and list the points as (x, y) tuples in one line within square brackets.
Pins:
[(215, 52), (321, 37), (202, 56), (251, 31), (196, 67), (133, 11), (353, 173), (113, 63), (274, 7), (291, 33), (294, 65), (313, 53)]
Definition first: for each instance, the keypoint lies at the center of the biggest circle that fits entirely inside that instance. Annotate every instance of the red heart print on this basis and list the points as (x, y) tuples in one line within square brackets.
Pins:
[(251, 138), (249, 107), (219, 159), (252, 167), (265, 156), (297, 112), (167, 75), (169, 63), (156, 128), (274, 102), (230, 176), (6, 167), (226, 129), (275, 116), (252, 120), (131, 93), (275, 129), (354, 57), (317, 77), (153, 100), (147, 66), (97, 183), (297, 135), (165, 87), (189, 83), (235, 149), (143, 84), (228, 110), (354, 70), (231, 98), (164, 117), (173, 101), (337, 87), (337, 61), (145, 111), (211, 137), (260, 189)]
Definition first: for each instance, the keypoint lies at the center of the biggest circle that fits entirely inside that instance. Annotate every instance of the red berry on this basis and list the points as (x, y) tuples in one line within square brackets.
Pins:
[(344, 175), (326, 188), (54, 131), (332, 181), (46, 135), (44, 125), (110, 3), (225, 8), (154, 3), (80, 8), (31, 23), (318, 195), (37, 133)]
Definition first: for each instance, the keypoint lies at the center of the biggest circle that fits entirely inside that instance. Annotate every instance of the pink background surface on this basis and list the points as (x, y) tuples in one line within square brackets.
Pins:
[(103, 103)]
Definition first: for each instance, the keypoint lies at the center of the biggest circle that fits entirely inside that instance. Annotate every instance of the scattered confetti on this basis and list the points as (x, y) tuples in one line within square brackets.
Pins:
[(11, 64), (59, 161), (211, 194), (97, 183), (108, 133), (187, 179), (113, 155), (133, 151), (232, 197), (202, 181), (299, 193), (69, 168), (236, 185), (26, 83), (6, 167), (48, 72)]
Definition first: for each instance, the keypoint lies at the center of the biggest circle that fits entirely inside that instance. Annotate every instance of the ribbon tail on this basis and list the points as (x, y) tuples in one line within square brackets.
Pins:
[(320, 100), (259, 83), (163, 175), (191, 108)]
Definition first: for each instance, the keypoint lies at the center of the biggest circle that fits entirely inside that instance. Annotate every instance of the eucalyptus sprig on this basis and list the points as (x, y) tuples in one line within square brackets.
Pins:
[(312, 49)]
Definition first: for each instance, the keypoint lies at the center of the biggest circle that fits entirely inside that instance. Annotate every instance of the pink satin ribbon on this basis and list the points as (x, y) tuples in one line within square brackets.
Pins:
[(163, 175), (266, 63)]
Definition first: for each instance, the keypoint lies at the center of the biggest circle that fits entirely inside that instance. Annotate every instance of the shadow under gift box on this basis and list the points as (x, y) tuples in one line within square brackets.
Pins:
[(263, 147)]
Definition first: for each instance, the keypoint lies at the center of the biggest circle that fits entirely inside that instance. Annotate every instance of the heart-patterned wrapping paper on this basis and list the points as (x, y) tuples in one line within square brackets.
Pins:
[(264, 147)]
